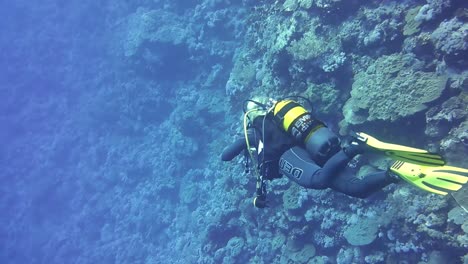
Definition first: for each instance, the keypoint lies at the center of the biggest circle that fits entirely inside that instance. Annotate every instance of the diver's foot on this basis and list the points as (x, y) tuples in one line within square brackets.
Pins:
[(353, 146), (393, 177)]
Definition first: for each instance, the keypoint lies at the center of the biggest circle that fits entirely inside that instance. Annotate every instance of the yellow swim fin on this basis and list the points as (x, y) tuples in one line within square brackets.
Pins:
[(439, 180), (403, 153)]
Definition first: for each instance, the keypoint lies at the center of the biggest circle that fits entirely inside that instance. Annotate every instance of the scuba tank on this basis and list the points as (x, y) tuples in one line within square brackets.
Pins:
[(298, 122)]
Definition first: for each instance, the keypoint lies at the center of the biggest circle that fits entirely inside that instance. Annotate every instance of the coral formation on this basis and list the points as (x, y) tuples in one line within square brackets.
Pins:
[(391, 88), (114, 115), (242, 74), (152, 26), (291, 198), (440, 119), (430, 10), (412, 25), (454, 145), (363, 232), (308, 47), (450, 39)]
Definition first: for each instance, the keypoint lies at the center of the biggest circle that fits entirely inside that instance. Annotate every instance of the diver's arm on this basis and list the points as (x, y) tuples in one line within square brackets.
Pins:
[(230, 152), (233, 150)]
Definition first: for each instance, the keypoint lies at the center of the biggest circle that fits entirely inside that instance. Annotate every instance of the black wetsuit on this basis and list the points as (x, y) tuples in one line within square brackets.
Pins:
[(281, 155)]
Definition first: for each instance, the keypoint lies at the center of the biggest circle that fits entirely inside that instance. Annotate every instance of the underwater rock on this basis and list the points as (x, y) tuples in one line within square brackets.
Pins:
[(323, 96), (280, 35), (348, 255), (406, 247), (460, 83), (188, 193), (242, 74), (392, 88), (457, 215), (291, 199), (436, 257), (327, 4), (298, 254), (433, 8), (412, 25), (310, 46), (305, 4), (320, 260), (290, 5), (421, 45), (278, 241), (455, 146), (376, 257), (430, 221), (363, 232), (349, 33), (450, 39), (235, 246), (154, 26), (432, 233), (334, 62), (440, 119), (304, 255), (294, 243), (313, 53), (386, 24)]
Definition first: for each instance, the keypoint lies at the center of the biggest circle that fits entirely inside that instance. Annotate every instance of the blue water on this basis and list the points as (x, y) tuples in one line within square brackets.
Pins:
[(113, 115), (88, 153)]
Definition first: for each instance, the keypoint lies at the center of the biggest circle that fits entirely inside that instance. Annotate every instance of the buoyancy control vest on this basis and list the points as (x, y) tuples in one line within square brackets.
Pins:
[(275, 142)]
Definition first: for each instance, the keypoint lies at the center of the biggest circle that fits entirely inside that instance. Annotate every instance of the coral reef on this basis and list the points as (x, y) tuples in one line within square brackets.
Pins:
[(450, 39), (363, 232), (153, 26), (392, 88), (430, 10), (450, 113), (115, 115), (310, 46), (242, 75), (454, 145), (412, 25)]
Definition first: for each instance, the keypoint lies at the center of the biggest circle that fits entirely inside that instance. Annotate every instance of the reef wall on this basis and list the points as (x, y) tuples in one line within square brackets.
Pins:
[(113, 149)]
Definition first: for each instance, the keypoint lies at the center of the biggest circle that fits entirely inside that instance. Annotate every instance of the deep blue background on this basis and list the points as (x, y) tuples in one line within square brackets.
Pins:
[(54, 57), (106, 158), (91, 158)]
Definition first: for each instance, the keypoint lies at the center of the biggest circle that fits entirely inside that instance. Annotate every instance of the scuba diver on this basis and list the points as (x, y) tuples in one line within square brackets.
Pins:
[(284, 138)]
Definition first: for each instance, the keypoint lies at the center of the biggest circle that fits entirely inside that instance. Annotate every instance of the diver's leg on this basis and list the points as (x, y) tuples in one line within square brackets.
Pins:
[(296, 164), (350, 185), (335, 164)]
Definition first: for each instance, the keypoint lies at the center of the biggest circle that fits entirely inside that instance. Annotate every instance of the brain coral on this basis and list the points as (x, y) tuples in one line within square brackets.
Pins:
[(391, 88)]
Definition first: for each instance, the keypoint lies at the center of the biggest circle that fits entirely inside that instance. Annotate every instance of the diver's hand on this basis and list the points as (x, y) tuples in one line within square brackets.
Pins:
[(260, 201)]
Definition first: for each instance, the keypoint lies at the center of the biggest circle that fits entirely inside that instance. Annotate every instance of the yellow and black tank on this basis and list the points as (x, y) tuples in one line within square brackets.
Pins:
[(298, 122)]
